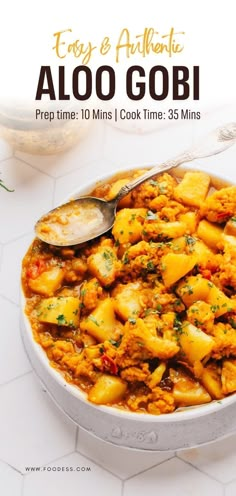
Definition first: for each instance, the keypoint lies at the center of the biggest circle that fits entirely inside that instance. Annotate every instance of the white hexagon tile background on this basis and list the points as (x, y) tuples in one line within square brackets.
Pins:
[(33, 431)]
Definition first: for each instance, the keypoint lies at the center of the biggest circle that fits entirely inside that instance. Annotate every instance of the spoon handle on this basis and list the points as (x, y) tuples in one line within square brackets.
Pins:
[(216, 142)]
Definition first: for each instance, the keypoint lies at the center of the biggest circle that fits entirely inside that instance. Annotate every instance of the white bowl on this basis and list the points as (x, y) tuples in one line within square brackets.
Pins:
[(178, 430)]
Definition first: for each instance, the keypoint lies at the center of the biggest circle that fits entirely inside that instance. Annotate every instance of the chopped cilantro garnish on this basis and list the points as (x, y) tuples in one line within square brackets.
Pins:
[(125, 259), (153, 183), (114, 343), (232, 323), (92, 318), (214, 308), (150, 265), (162, 188), (61, 320), (189, 289), (189, 240)]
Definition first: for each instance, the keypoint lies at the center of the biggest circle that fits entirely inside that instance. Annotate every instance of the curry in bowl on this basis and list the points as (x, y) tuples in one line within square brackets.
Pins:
[(144, 318)]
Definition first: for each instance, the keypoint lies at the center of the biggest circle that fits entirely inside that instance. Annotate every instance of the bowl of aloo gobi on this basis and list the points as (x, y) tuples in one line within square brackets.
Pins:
[(134, 333)]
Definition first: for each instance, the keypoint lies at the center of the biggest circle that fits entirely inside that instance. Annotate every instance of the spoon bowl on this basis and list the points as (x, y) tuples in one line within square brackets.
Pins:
[(76, 222)]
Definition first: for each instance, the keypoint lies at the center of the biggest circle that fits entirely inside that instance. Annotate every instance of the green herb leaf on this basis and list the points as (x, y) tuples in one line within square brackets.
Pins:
[(132, 320), (92, 318), (61, 320), (189, 240)]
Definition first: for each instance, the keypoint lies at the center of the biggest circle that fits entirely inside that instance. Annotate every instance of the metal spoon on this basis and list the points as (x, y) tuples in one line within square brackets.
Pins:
[(87, 217)]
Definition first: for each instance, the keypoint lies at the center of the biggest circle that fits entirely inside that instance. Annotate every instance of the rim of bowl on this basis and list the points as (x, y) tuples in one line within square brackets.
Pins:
[(187, 413)]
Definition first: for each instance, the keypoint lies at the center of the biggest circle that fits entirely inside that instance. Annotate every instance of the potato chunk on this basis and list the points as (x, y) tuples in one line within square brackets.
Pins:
[(61, 310), (193, 288), (101, 323), (203, 253), (127, 300), (187, 391), (228, 376), (195, 343), (196, 288), (230, 227), (211, 380), (209, 233), (190, 220), (107, 390), (163, 230), (103, 265), (220, 303), (200, 314), (175, 266), (128, 225), (193, 188), (48, 282)]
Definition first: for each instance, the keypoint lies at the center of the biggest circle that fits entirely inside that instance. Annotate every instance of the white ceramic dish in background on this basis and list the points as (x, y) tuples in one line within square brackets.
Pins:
[(178, 430)]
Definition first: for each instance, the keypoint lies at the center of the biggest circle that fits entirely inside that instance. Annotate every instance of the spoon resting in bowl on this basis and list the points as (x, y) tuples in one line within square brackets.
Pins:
[(87, 217)]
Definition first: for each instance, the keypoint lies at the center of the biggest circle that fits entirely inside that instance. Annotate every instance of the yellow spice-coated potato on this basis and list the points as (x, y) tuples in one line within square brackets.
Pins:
[(230, 227), (107, 390), (128, 300), (61, 310), (128, 225), (220, 303), (103, 264), (187, 391), (203, 253), (101, 323), (195, 343), (228, 376), (190, 220), (156, 376), (174, 266), (200, 314), (196, 288), (209, 233), (48, 282), (193, 288), (211, 380), (193, 188), (179, 244), (173, 229)]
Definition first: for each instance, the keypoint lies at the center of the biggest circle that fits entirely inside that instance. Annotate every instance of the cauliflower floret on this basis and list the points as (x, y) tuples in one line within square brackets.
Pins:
[(80, 365), (225, 341), (140, 344), (163, 185), (220, 206), (133, 374), (156, 402), (90, 293), (172, 210), (160, 402), (227, 275)]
